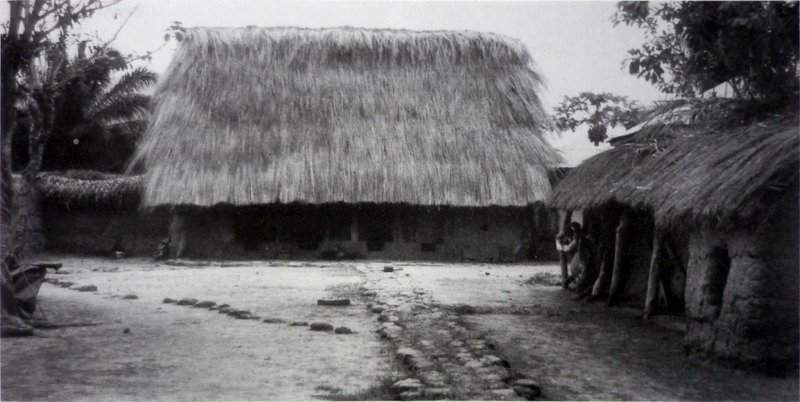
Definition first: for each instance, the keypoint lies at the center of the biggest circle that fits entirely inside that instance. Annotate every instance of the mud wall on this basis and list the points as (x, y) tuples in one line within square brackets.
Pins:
[(384, 232), (742, 292), (96, 230)]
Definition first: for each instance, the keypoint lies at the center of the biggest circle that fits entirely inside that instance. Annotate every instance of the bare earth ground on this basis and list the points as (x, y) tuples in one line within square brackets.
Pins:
[(461, 323)]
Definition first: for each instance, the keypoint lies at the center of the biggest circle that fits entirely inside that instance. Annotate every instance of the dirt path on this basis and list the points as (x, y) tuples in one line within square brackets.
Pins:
[(574, 351), (177, 352), (423, 331)]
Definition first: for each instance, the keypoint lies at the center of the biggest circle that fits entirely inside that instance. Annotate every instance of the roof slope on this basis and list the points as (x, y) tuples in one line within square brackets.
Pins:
[(691, 174), (259, 115)]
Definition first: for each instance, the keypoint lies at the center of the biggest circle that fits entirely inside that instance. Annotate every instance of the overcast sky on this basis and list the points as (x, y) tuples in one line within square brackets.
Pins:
[(574, 44)]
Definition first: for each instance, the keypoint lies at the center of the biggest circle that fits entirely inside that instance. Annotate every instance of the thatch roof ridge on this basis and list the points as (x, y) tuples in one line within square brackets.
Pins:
[(254, 115), (494, 47), (697, 175)]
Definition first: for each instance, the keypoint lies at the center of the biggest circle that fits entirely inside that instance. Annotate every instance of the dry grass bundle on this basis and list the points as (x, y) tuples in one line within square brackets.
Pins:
[(255, 115), (100, 188), (691, 175)]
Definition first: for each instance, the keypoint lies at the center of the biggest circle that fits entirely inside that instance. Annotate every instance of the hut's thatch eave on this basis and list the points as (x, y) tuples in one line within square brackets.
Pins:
[(103, 189), (261, 115), (695, 176)]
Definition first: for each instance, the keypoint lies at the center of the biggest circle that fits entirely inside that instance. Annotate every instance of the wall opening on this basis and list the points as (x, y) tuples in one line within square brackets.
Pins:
[(716, 276)]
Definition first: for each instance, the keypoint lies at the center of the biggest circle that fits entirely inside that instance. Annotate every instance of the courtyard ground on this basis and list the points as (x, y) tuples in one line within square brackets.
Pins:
[(421, 331)]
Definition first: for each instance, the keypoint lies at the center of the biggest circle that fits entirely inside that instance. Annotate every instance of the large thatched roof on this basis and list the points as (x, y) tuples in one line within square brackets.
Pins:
[(258, 115), (686, 173)]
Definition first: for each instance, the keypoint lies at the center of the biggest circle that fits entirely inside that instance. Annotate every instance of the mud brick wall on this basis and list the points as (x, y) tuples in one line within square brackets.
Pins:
[(96, 230), (742, 293), (208, 234)]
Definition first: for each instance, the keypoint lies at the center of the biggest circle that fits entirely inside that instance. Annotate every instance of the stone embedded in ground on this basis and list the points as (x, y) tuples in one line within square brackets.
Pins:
[(226, 310), (130, 297), (388, 318), (492, 360), (370, 293), (408, 384), (389, 331), (219, 306), (320, 326), (529, 393), (61, 272), (333, 302), (465, 309), (437, 393), (87, 288), (407, 355), (388, 268), (168, 300), (433, 378), (65, 284), (343, 330), (299, 324), (126, 331), (410, 395), (241, 314), (274, 321), (205, 304), (504, 393), (501, 373), (464, 357), (525, 382), (376, 309), (474, 364), (187, 302)]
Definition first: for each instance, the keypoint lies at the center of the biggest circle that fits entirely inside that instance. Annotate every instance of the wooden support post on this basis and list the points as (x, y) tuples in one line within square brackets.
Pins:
[(354, 228), (616, 273), (602, 278), (177, 234), (653, 276), (562, 256)]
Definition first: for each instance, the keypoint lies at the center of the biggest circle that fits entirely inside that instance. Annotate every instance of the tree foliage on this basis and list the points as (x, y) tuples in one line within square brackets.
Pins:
[(692, 47), (95, 123), (598, 111)]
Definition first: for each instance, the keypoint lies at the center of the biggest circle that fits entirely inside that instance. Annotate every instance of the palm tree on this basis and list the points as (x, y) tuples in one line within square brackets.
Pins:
[(96, 123)]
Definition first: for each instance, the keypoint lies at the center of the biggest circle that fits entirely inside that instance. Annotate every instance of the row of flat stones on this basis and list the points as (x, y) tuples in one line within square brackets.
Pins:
[(440, 354)]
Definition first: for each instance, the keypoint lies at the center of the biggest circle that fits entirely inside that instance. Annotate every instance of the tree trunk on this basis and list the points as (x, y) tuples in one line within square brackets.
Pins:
[(654, 275), (616, 274)]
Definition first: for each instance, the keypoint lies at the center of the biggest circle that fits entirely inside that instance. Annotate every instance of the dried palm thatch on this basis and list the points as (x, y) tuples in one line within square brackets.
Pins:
[(261, 115), (691, 174), (90, 188)]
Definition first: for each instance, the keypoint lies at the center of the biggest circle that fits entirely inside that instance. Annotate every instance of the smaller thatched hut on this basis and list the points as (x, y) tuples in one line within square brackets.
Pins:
[(712, 215), (91, 213)]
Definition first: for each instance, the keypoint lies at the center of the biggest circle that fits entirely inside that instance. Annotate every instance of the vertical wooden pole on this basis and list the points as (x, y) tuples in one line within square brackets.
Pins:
[(177, 234), (653, 275), (562, 256), (602, 278), (616, 273)]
